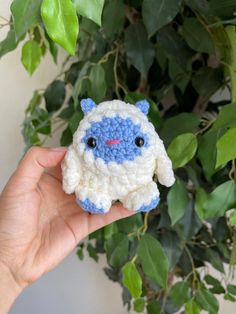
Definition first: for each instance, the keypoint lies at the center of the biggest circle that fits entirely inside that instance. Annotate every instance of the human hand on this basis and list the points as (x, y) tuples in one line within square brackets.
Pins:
[(39, 223)]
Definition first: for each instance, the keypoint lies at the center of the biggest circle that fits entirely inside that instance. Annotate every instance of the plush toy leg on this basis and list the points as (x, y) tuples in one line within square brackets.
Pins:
[(92, 201), (144, 199)]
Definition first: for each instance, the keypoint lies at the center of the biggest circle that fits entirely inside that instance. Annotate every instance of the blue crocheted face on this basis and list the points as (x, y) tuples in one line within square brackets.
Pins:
[(115, 139)]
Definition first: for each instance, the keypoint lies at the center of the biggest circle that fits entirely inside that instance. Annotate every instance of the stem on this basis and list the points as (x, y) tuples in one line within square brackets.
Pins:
[(206, 127), (145, 225), (193, 266), (134, 258), (105, 58), (164, 300), (115, 74), (231, 33)]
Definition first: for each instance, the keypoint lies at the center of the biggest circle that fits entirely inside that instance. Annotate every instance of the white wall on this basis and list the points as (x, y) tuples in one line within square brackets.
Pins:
[(73, 287)]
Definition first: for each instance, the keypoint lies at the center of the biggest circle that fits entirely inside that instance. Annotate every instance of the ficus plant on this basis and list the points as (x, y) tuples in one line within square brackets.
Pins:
[(176, 54)]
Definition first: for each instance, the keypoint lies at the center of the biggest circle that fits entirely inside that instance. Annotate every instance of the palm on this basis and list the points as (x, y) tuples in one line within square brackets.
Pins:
[(47, 225)]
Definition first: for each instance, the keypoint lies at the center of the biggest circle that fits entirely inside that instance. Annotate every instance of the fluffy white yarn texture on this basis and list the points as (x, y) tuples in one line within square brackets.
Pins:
[(98, 181)]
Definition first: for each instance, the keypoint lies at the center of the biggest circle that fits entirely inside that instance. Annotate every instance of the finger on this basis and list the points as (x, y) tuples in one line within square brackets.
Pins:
[(55, 172), (36, 160), (117, 212)]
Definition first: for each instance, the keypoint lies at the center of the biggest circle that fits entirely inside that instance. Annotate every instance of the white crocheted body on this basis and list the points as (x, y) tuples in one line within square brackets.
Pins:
[(115, 167), (117, 184)]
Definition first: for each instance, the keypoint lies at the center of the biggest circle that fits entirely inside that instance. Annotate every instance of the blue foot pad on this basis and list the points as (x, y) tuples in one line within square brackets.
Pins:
[(150, 206), (90, 207)]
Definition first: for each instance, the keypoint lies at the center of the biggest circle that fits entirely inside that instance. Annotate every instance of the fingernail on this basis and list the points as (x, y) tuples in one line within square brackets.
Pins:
[(59, 149)]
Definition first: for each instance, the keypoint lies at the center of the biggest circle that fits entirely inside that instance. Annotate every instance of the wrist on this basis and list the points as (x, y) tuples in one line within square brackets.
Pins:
[(9, 289)]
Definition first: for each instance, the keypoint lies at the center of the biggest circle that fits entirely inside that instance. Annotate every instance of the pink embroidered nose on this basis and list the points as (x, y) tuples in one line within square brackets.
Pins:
[(112, 142)]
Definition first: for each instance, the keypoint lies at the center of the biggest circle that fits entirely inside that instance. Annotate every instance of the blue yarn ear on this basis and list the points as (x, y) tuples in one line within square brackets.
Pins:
[(87, 105), (143, 106)]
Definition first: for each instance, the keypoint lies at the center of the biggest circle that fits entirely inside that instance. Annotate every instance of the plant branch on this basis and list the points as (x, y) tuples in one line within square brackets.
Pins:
[(193, 266)]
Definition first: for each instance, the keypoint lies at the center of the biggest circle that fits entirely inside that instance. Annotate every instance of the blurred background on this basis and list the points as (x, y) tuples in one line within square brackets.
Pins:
[(74, 286)]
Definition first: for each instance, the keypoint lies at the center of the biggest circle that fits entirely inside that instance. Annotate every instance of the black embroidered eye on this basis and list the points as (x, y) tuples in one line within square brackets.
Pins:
[(139, 141), (91, 142)]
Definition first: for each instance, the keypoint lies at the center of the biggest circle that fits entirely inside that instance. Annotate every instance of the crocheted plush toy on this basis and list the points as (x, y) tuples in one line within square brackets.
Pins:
[(114, 155)]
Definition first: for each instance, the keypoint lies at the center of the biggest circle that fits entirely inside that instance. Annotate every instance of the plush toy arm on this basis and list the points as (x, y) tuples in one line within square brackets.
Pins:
[(71, 171), (164, 169)]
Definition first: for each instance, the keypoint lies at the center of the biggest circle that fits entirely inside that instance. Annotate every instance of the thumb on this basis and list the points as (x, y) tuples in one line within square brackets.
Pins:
[(33, 164)]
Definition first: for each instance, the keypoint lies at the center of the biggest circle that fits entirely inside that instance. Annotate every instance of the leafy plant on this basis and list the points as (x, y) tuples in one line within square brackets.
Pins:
[(177, 54)]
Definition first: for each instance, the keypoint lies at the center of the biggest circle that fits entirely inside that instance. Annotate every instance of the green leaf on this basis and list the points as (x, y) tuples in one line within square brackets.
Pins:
[(130, 224), (55, 95), (126, 297), (179, 124), (220, 229), (201, 197), (232, 218), (153, 260), (117, 249), (80, 251), (154, 307), (231, 289), (31, 56), (177, 200), (92, 252), (191, 308), (229, 297), (211, 280), (207, 151), (139, 305), (91, 9), (223, 9), (78, 84), (206, 300), (182, 149), (157, 13), (161, 57), (173, 247), (201, 6), (189, 224), (197, 36), (31, 137), (220, 200), (226, 148), (34, 102), (41, 121), (53, 48), (66, 138), (178, 76), (98, 86), (9, 43), (61, 22), (26, 14), (180, 293), (226, 117), (175, 47), (113, 17), (215, 283), (233, 252), (75, 120), (214, 258), (207, 81), (140, 51), (67, 113), (132, 279), (109, 230)]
